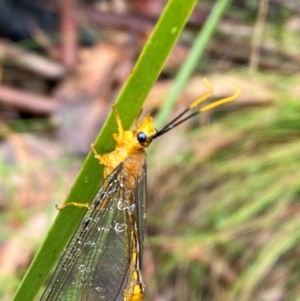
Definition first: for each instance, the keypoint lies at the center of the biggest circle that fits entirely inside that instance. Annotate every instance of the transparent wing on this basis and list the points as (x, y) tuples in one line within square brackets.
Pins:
[(95, 263)]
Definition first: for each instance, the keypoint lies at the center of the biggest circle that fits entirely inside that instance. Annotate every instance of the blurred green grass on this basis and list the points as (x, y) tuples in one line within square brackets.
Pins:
[(231, 229)]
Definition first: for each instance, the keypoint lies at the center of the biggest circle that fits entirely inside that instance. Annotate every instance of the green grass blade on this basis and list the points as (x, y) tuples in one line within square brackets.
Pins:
[(129, 102)]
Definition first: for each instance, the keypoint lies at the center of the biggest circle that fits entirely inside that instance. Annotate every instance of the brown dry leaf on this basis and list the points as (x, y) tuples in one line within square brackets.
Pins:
[(80, 123), (91, 74), (83, 94)]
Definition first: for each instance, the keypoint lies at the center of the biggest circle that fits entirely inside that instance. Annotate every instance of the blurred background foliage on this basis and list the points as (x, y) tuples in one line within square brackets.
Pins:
[(223, 196)]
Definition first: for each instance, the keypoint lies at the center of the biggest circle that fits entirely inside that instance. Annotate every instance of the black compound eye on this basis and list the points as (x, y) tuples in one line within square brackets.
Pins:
[(141, 137)]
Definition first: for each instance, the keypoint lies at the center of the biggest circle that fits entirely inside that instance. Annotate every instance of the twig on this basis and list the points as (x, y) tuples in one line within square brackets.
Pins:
[(31, 61), (27, 101)]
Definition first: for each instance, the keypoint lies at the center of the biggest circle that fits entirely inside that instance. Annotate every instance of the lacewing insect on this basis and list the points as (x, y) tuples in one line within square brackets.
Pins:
[(104, 256)]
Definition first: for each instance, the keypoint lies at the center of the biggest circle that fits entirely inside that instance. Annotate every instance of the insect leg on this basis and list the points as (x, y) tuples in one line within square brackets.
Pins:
[(119, 123), (79, 205)]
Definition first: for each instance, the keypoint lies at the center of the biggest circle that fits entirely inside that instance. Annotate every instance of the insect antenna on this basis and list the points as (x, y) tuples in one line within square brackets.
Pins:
[(180, 119)]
